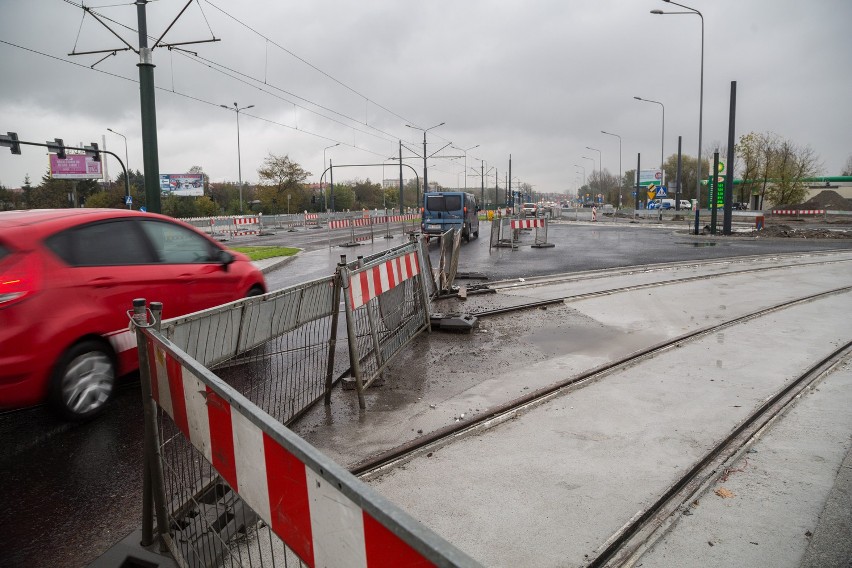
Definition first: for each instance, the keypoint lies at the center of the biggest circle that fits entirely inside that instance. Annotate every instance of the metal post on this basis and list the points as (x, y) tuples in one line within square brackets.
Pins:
[(354, 356), (636, 198), (332, 340), (150, 158), (509, 183), (425, 171), (401, 212), (331, 183), (151, 446), (714, 189), (677, 180), (729, 177)]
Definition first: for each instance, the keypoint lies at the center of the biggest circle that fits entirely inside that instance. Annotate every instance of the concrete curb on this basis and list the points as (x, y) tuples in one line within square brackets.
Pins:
[(269, 264)]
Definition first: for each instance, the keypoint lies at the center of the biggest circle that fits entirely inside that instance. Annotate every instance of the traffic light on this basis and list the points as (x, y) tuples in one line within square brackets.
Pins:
[(11, 142), (313, 199), (92, 150), (57, 146)]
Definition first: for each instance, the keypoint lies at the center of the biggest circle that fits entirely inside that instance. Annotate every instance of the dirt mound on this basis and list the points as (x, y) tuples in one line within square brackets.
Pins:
[(827, 199), (786, 231)]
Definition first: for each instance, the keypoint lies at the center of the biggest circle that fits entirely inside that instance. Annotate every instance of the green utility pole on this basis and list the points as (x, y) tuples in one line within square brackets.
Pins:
[(149, 114)]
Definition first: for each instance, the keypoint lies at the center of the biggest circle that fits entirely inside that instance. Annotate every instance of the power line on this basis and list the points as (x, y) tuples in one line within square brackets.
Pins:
[(308, 63), (184, 95)]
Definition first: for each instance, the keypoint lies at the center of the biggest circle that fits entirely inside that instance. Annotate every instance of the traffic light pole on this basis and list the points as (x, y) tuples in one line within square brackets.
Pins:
[(15, 145)]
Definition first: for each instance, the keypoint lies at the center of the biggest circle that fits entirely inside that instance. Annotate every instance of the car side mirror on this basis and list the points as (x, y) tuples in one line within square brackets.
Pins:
[(225, 258)]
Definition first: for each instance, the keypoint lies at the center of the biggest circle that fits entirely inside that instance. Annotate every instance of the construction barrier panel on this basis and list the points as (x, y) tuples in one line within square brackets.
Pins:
[(312, 220), (246, 226), (540, 226), (216, 464), (387, 305)]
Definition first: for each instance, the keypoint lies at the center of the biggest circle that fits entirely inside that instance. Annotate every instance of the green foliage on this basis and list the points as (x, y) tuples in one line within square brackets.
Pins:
[(281, 183), (260, 253), (344, 198), (688, 173), (775, 168)]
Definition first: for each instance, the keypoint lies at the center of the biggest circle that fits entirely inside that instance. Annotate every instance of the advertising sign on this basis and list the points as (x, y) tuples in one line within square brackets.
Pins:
[(649, 177), (183, 185), (75, 166)]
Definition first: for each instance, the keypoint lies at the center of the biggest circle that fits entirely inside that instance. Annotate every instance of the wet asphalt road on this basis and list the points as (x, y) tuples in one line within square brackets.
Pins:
[(71, 491)]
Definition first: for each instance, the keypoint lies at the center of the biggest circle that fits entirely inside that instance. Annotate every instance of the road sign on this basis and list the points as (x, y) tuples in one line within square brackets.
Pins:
[(143, 209), (128, 200), (662, 192), (652, 194)]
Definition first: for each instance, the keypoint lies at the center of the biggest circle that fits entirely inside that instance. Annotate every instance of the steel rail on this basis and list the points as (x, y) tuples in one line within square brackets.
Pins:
[(514, 407), (597, 293), (623, 545)]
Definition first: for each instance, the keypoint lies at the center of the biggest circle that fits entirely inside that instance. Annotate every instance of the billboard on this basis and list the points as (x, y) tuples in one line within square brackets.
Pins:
[(650, 177), (184, 185), (75, 166)]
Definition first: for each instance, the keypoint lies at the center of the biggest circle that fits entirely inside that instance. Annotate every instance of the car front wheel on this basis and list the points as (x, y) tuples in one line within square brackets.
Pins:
[(83, 381)]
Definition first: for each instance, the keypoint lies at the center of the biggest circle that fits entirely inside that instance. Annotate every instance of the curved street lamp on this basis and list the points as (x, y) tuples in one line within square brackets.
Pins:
[(237, 109), (584, 172), (620, 181), (663, 143), (323, 165), (425, 173), (600, 166), (127, 162), (693, 11)]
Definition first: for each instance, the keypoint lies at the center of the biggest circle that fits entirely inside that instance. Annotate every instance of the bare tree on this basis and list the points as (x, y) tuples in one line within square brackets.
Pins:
[(847, 169), (792, 165)]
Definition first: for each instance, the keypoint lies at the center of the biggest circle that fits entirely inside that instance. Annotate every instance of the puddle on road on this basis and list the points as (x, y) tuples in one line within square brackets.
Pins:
[(580, 334)]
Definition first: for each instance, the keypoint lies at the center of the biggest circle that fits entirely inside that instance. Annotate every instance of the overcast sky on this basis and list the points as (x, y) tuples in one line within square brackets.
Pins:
[(537, 79)]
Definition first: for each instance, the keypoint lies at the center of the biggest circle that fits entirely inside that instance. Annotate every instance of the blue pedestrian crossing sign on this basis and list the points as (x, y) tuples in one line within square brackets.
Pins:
[(661, 192), (128, 200)]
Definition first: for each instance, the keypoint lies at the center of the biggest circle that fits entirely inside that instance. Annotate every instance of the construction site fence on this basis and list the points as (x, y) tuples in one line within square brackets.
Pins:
[(387, 306), (508, 231), (245, 225), (227, 484)]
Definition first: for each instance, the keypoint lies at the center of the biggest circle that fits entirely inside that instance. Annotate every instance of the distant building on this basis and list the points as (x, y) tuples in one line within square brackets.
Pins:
[(393, 182)]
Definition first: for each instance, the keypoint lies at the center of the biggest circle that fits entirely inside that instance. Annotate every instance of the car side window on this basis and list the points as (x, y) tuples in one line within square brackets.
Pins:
[(174, 244), (107, 243)]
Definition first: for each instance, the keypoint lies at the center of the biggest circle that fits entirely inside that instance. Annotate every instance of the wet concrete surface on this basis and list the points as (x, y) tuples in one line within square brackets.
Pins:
[(69, 491)]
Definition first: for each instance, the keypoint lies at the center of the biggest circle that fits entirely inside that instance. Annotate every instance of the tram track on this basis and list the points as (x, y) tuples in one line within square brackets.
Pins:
[(506, 411), (625, 547), (631, 288)]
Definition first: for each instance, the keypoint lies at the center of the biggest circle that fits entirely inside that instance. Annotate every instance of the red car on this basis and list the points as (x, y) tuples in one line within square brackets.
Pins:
[(67, 279)]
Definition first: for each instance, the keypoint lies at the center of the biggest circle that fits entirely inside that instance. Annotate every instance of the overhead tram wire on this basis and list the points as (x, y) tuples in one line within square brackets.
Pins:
[(225, 70), (184, 95), (308, 63), (186, 53)]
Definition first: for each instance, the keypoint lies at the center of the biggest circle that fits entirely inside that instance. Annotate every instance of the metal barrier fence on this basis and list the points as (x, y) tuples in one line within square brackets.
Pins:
[(387, 305), (230, 485), (537, 223), (278, 350)]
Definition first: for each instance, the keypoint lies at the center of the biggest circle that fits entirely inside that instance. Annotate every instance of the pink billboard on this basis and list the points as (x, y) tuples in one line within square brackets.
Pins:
[(75, 166)]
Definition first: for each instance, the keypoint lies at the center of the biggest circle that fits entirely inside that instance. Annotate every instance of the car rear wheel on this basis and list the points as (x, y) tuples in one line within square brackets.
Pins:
[(83, 381), (255, 291)]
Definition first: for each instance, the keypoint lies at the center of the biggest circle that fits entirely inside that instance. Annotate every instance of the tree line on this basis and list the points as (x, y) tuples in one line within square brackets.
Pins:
[(770, 166), (281, 188)]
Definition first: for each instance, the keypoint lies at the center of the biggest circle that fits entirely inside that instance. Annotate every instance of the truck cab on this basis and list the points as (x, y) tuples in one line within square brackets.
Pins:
[(445, 210)]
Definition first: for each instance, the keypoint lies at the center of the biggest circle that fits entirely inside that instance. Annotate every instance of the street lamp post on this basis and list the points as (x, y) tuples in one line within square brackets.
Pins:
[(323, 166), (663, 143), (465, 162), (593, 170), (425, 172), (126, 169), (620, 183), (237, 109), (584, 172), (700, 102), (600, 167)]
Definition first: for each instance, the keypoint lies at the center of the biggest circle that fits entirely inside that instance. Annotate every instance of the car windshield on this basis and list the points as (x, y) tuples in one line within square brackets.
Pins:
[(4, 252), (443, 202)]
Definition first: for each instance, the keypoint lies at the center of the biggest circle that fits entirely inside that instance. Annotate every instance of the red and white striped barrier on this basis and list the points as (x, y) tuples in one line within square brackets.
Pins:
[(371, 282), (245, 226), (527, 223), (798, 211), (318, 522), (311, 219), (338, 224)]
